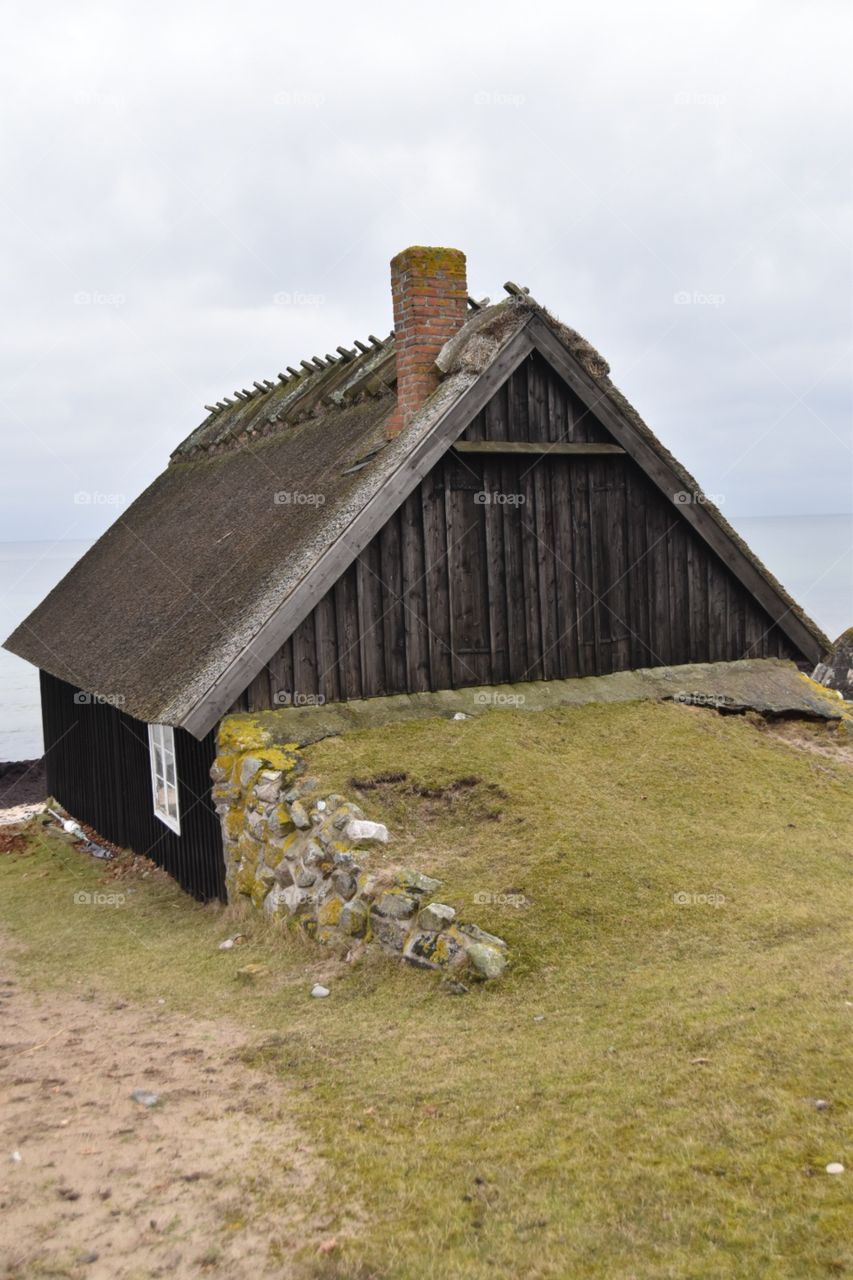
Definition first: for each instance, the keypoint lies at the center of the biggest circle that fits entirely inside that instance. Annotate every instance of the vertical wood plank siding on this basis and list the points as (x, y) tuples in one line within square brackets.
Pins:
[(575, 566), (97, 765)]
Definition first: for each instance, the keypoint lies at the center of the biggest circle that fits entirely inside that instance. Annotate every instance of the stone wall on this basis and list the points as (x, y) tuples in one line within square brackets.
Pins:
[(304, 858)]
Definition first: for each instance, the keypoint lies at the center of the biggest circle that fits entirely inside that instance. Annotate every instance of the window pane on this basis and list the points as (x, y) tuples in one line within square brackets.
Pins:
[(164, 774)]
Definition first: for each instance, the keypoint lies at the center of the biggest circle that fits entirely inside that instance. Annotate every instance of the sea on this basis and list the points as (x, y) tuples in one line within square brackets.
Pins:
[(811, 555)]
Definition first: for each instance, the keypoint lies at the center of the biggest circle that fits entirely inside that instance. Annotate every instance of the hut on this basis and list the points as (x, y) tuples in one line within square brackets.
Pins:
[(467, 501)]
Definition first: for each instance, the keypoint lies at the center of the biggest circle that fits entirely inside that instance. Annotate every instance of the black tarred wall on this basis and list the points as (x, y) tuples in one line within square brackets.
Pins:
[(97, 766)]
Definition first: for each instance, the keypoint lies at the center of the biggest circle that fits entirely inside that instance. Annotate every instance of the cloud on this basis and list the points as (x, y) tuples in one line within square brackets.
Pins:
[(171, 171)]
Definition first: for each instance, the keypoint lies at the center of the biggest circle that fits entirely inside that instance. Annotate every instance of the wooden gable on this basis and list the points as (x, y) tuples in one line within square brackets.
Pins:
[(554, 557)]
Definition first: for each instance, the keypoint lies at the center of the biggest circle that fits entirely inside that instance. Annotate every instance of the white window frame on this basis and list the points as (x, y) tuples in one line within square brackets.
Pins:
[(164, 775)]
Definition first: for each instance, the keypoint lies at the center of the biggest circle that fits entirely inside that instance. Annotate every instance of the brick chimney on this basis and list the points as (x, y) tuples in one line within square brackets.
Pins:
[(430, 295)]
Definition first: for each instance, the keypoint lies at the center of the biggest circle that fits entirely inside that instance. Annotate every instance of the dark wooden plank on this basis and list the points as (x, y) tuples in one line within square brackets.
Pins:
[(258, 693), (539, 447), (525, 489), (496, 414), (369, 580), (679, 593), (756, 629), (415, 618), (512, 521), (546, 570), (304, 659), (582, 558), (636, 487), (518, 410), (658, 525), (697, 589), (718, 628), (618, 594), (561, 508), (347, 622), (496, 581), (601, 571), (539, 424), (736, 619), (281, 673), (326, 637), (393, 633), (437, 584), (466, 556)]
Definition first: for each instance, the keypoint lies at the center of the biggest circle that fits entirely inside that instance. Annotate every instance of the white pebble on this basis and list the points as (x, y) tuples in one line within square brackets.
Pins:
[(319, 991), (16, 1157), (361, 829), (835, 1167)]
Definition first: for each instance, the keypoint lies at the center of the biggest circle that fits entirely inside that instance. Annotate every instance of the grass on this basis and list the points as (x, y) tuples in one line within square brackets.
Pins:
[(636, 1099)]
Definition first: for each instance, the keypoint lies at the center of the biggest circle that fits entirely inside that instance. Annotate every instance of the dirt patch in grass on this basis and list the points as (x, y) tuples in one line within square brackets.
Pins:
[(479, 800), (814, 737), (96, 1183), (13, 842)]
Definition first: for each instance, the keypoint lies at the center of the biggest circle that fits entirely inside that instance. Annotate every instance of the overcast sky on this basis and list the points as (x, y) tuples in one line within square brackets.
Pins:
[(195, 195)]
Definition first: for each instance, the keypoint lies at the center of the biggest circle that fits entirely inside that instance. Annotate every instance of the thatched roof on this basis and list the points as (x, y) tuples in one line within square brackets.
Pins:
[(190, 580)]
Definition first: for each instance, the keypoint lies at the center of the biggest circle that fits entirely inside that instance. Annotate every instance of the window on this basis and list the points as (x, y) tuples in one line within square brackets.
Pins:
[(164, 774)]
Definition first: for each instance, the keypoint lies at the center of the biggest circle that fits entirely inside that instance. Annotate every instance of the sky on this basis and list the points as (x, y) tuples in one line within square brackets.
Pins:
[(195, 195)]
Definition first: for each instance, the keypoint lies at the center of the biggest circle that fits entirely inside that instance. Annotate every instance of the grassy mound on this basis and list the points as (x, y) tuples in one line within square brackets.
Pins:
[(636, 1099)]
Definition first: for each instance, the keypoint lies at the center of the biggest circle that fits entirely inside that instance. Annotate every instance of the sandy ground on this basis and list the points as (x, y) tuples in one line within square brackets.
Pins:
[(94, 1184)]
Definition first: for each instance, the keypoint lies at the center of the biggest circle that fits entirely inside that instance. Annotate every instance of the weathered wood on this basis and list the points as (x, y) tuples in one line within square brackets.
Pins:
[(546, 572), (467, 576), (581, 541), (326, 638), (437, 582), (670, 483), (496, 580), (415, 594), (617, 595), (566, 602), (369, 584), (347, 621), (592, 568), (542, 448), (393, 636)]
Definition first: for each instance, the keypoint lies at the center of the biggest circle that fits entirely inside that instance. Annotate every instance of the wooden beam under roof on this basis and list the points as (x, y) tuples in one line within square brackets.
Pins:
[(536, 446)]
